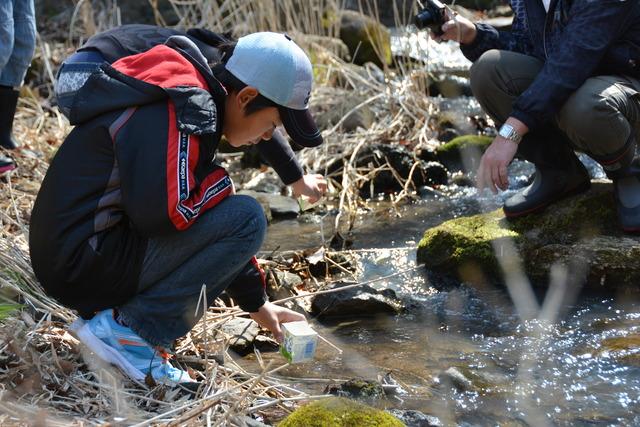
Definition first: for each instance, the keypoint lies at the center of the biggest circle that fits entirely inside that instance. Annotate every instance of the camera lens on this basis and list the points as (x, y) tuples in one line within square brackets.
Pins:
[(424, 19)]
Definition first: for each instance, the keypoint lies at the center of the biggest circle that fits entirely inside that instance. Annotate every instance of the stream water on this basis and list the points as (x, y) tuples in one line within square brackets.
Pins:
[(462, 354), (584, 369)]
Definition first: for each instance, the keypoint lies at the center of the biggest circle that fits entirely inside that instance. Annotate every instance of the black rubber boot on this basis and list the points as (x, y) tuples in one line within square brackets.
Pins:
[(548, 186), (624, 170), (6, 164), (8, 102)]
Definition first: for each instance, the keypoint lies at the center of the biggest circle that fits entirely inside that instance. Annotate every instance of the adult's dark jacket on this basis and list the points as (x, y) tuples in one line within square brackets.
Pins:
[(576, 39), (139, 165)]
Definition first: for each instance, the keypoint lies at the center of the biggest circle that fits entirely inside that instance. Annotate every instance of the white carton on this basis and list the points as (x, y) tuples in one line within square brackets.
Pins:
[(300, 342)]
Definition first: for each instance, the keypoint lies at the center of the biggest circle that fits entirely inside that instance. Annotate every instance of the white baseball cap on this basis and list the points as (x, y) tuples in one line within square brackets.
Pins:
[(281, 72)]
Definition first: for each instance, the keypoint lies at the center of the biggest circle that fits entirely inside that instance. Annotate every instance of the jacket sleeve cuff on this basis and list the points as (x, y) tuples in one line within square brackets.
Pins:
[(528, 119), (481, 43), (251, 303)]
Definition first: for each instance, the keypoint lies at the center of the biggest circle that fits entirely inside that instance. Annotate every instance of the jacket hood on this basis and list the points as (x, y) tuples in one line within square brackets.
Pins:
[(176, 69)]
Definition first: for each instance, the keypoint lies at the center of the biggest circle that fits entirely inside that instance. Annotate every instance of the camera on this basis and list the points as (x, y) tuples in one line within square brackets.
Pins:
[(432, 16)]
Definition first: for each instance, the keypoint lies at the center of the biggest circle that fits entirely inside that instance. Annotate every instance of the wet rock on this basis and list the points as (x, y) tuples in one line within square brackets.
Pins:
[(265, 344), (450, 86), (416, 418), (402, 161), (356, 389), (580, 232), (478, 418), (242, 333), (321, 268), (625, 349), (436, 174), (365, 37), (465, 379), (279, 206), (462, 180), (266, 182), (288, 280), (453, 152), (358, 301), (447, 134), (339, 412)]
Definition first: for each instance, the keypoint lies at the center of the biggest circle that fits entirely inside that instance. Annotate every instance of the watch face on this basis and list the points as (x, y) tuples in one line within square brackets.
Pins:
[(506, 131)]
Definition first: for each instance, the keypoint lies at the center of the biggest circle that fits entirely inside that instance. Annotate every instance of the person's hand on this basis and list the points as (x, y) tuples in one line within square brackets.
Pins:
[(492, 173), (270, 316), (458, 29), (311, 186)]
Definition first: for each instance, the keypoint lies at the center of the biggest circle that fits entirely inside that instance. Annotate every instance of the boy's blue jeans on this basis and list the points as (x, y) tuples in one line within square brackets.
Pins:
[(211, 252), (17, 40)]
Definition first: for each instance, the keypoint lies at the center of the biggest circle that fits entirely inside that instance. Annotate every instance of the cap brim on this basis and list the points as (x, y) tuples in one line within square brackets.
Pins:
[(301, 127)]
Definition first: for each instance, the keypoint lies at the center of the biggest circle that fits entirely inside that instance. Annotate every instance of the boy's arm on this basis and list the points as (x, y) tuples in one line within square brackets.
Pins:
[(281, 157), (248, 289)]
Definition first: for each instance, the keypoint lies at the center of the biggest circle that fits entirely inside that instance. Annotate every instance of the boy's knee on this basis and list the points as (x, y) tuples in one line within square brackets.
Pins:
[(253, 212)]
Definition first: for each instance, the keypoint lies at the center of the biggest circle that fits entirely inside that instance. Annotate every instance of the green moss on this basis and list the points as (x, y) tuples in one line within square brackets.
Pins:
[(339, 412), (451, 153), (464, 240), (585, 224)]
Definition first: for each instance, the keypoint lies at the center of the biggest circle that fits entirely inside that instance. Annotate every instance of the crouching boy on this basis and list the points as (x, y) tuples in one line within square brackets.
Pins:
[(134, 216)]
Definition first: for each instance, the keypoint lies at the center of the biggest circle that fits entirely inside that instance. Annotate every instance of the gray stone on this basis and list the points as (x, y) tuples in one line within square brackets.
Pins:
[(359, 301), (279, 206), (367, 39), (413, 418), (242, 333)]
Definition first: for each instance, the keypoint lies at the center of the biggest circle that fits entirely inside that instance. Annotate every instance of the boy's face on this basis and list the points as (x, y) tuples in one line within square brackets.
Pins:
[(241, 129)]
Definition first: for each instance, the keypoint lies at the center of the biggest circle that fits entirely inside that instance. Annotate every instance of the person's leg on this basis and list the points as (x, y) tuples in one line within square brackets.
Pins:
[(6, 32), (497, 79), (211, 252), (602, 118), (21, 37)]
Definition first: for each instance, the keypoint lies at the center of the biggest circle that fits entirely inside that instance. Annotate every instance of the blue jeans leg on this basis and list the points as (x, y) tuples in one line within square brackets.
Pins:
[(211, 252), (17, 40)]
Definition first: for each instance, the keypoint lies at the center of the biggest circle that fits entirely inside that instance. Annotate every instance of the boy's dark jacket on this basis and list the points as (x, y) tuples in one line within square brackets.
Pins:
[(576, 40), (140, 165)]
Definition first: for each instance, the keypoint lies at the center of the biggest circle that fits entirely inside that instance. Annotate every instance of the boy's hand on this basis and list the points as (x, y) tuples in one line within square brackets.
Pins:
[(458, 29), (270, 316), (312, 186)]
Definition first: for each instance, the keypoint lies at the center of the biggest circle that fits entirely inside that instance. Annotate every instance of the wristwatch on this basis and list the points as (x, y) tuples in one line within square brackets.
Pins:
[(509, 132)]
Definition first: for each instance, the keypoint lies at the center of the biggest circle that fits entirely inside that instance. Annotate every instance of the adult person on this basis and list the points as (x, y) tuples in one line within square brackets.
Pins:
[(134, 216), (564, 78), (17, 44)]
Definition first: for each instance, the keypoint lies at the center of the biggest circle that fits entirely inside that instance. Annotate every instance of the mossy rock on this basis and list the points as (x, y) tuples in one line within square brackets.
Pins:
[(367, 39), (339, 412), (452, 153), (581, 231)]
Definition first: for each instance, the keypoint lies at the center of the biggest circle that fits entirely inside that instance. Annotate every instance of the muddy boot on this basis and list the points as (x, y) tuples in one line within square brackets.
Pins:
[(548, 186), (624, 171), (6, 164), (8, 102)]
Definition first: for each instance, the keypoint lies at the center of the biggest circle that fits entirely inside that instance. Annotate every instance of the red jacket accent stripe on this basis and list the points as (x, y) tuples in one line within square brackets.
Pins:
[(161, 66), (185, 199)]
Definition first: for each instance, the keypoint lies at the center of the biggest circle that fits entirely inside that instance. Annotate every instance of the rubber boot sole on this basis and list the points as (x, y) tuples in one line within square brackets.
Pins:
[(573, 192)]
